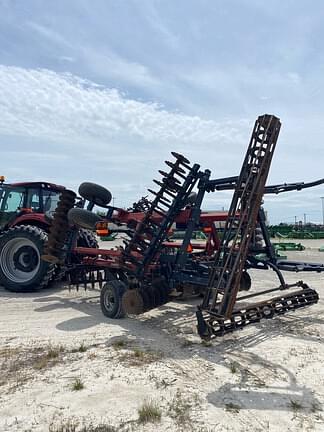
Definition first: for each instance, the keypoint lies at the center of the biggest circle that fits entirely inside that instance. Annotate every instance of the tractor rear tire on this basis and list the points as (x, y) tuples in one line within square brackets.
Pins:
[(87, 239), (95, 193), (21, 268), (111, 296), (245, 283)]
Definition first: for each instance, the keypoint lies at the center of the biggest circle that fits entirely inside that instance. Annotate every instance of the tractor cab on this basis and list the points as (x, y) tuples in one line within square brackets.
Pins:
[(11, 203), (26, 200)]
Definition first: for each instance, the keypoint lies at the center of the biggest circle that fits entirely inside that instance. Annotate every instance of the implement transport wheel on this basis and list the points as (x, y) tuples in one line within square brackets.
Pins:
[(111, 299), (83, 218), (21, 269), (95, 193), (245, 283)]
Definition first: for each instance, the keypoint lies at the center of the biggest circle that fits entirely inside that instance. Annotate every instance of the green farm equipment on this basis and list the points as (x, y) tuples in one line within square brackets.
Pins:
[(288, 246)]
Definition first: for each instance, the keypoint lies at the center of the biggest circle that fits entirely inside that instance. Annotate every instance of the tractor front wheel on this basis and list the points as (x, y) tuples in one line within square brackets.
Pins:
[(21, 269)]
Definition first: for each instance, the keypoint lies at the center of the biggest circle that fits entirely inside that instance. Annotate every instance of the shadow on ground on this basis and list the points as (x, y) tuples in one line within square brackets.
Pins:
[(171, 330)]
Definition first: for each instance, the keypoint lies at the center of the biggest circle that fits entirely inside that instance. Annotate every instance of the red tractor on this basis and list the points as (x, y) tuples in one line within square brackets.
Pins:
[(26, 211)]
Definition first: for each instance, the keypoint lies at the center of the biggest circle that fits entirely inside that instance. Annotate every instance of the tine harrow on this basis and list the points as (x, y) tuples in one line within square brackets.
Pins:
[(211, 324), (242, 218), (149, 235), (175, 188), (221, 311)]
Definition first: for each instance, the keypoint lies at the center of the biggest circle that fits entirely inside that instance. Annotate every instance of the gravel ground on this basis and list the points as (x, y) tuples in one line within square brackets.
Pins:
[(67, 368)]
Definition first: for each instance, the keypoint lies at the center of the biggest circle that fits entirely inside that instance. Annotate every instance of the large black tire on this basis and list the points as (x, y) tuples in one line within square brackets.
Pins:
[(245, 283), (87, 239), (111, 299), (21, 268), (95, 193), (83, 218)]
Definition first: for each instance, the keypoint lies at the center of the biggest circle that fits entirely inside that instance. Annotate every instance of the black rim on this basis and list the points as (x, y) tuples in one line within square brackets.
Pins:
[(26, 259), (109, 299)]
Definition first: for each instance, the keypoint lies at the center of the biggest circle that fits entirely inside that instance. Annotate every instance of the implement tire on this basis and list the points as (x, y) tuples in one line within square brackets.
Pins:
[(21, 268), (245, 283), (83, 218), (111, 299), (95, 193)]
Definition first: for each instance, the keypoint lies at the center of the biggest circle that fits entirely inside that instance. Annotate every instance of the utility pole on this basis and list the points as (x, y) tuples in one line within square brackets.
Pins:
[(322, 198), (295, 220)]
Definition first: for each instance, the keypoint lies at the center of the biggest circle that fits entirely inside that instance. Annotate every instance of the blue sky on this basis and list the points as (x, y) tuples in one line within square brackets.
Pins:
[(104, 90)]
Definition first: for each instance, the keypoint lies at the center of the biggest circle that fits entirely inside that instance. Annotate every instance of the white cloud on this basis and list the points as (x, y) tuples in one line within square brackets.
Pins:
[(104, 62), (65, 129), (87, 132), (48, 33), (42, 103), (112, 66), (156, 22)]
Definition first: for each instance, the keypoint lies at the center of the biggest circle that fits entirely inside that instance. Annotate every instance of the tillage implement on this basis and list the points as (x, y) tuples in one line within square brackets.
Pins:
[(149, 269)]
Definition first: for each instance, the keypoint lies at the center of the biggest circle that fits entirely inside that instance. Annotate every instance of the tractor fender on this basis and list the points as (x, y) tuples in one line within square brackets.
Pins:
[(33, 219)]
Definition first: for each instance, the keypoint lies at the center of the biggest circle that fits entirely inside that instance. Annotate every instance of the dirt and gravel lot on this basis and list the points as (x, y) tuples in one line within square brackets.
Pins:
[(65, 367)]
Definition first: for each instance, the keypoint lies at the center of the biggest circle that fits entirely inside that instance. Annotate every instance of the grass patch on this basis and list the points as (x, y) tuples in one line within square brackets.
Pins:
[(77, 384), (68, 425), (315, 407), (119, 344), (48, 358), (206, 343), (54, 352), (17, 365), (41, 363), (149, 412), (179, 409), (134, 356), (232, 407), (81, 348), (99, 428), (138, 357), (295, 405), (7, 353), (233, 367), (139, 353), (75, 425), (187, 343)]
